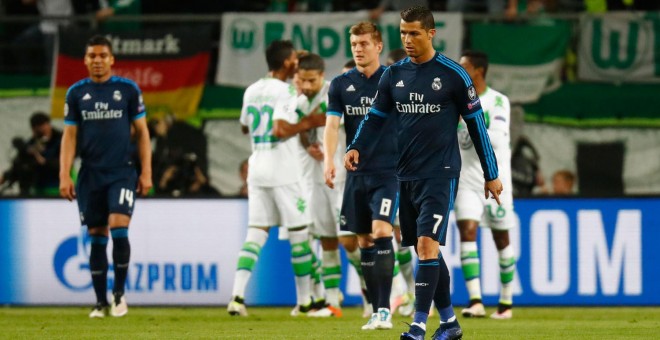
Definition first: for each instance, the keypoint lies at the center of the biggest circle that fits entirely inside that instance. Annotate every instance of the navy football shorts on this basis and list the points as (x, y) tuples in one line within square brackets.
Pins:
[(424, 208), (102, 192), (368, 198)]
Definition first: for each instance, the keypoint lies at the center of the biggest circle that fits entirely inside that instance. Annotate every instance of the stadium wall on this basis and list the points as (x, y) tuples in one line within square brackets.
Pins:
[(570, 252)]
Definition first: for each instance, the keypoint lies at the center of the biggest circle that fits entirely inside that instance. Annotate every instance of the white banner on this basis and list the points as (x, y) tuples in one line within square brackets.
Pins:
[(182, 252), (245, 37), (619, 47), (525, 83)]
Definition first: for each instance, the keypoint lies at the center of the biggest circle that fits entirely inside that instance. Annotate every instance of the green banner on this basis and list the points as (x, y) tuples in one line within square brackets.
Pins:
[(525, 58)]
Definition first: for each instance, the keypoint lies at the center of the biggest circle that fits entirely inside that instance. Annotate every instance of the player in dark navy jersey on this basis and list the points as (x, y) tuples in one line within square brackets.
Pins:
[(426, 94), (370, 196), (98, 114)]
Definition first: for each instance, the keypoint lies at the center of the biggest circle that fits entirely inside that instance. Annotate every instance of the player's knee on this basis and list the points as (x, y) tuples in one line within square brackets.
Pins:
[(349, 243), (329, 243), (381, 229), (501, 239), (427, 248), (98, 231), (365, 241)]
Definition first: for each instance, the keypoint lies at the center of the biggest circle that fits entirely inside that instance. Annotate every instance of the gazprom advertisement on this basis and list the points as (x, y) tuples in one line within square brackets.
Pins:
[(184, 252)]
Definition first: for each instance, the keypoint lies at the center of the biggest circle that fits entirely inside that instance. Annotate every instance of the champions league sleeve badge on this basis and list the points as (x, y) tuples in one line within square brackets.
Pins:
[(116, 95), (437, 84), (472, 93)]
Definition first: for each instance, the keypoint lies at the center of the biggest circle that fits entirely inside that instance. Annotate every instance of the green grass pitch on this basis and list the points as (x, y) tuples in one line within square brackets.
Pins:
[(275, 323)]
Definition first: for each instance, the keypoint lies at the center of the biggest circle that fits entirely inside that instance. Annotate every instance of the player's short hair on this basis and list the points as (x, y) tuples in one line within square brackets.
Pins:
[(567, 175), (99, 40), (366, 27), (350, 63), (396, 55), (421, 14), (39, 118), (277, 52), (311, 62), (477, 59)]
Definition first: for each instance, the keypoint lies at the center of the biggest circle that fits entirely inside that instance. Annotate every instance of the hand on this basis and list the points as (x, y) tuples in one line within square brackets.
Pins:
[(144, 184), (329, 174), (315, 151), (67, 189), (493, 187), (351, 160)]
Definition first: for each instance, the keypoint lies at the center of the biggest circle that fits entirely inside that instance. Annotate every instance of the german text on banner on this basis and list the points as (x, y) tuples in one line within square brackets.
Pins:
[(245, 37), (170, 66), (620, 47), (525, 59)]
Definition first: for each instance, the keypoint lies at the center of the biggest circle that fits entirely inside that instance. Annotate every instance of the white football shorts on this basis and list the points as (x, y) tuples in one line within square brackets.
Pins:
[(472, 205), (283, 206)]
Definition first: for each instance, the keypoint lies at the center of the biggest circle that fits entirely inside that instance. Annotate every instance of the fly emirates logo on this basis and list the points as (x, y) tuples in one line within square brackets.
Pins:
[(101, 111), (360, 110), (417, 105)]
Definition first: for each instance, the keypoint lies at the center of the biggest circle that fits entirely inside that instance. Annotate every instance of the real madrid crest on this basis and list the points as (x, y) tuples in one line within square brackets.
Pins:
[(116, 96), (437, 84)]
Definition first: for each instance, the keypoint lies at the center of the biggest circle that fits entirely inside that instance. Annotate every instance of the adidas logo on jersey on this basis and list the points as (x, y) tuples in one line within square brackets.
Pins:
[(86, 97), (400, 83), (351, 88)]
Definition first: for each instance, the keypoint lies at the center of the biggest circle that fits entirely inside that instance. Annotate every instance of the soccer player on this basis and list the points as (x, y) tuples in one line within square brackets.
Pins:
[(98, 114), (370, 196), (425, 94), (274, 180), (403, 266), (471, 206), (323, 202)]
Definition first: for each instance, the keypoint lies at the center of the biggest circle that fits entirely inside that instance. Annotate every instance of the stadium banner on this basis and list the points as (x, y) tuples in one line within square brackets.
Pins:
[(245, 36), (517, 67), (620, 47), (169, 65), (570, 252)]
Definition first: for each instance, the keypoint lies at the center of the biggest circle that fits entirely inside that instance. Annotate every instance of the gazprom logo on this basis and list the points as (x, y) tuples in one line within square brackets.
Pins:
[(71, 263), (71, 266), (243, 34)]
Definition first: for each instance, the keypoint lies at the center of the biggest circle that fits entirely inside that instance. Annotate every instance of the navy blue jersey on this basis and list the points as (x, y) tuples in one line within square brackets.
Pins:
[(351, 95), (103, 113), (427, 100)]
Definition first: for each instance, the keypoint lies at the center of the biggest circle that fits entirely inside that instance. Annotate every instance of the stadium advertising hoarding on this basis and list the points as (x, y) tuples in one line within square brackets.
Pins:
[(620, 47), (570, 252), (245, 37), (169, 65), (182, 252)]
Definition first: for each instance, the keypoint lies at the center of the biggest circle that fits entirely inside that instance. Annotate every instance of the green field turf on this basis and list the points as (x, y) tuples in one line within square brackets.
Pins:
[(275, 323)]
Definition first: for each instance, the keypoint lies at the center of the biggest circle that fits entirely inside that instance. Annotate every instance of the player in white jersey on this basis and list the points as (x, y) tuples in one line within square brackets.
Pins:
[(274, 179), (471, 208), (323, 202)]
